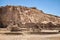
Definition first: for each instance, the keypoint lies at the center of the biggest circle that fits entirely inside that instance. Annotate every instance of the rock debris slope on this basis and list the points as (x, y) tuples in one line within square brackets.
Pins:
[(23, 16)]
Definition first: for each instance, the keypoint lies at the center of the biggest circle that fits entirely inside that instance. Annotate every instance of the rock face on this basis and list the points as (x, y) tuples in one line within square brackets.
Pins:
[(24, 16)]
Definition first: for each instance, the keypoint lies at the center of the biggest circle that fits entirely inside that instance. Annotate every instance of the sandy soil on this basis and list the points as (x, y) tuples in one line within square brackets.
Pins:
[(30, 37)]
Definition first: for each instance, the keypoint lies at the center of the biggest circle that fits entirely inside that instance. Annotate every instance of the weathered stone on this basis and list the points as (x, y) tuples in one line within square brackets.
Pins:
[(26, 17)]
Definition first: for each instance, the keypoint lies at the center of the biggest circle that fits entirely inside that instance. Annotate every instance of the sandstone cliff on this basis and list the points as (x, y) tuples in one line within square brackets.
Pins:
[(22, 16)]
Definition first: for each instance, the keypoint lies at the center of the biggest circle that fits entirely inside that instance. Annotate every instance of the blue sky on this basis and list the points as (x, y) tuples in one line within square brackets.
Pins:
[(48, 6)]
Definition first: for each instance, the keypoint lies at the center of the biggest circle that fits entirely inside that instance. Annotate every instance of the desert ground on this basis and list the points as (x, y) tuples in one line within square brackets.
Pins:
[(30, 37)]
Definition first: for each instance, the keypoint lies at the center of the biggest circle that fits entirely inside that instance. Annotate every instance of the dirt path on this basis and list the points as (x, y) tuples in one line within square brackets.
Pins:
[(30, 37)]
